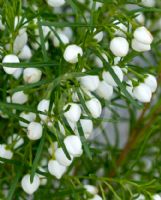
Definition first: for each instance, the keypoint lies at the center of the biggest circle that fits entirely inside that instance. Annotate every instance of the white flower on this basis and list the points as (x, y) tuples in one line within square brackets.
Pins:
[(104, 90), (25, 53), (142, 35), (61, 157), (140, 47), (148, 3), (17, 73), (140, 18), (156, 197), (99, 62), (72, 52), (34, 131), (64, 39), (10, 59), (56, 169), (99, 36), (96, 197), (151, 81), (19, 97), (20, 42), (43, 179), (73, 113), (30, 117), (121, 30), (32, 75), (29, 187), (119, 46), (73, 145), (139, 197), (56, 3), (43, 106), (94, 107), (89, 82), (91, 189), (142, 93), (15, 139), (4, 152), (108, 77)]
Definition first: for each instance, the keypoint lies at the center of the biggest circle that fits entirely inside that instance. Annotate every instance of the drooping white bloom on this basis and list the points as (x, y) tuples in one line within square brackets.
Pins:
[(29, 187), (10, 59), (73, 113), (107, 77), (56, 3), (34, 131), (4, 152), (91, 189), (64, 39), (17, 73), (19, 97), (32, 75), (43, 106), (121, 30), (25, 53), (151, 81), (20, 42), (142, 35), (30, 117), (104, 90), (148, 3), (119, 46), (156, 197), (72, 52), (140, 47), (140, 18), (15, 139), (99, 62), (142, 92), (99, 36), (73, 145), (62, 158), (89, 82), (56, 169), (94, 107)]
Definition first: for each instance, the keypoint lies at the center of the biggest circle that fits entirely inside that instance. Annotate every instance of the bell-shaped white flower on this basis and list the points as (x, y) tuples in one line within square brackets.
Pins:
[(17, 73), (15, 139), (73, 145), (99, 62), (89, 82), (73, 113), (56, 169), (4, 152), (156, 197), (61, 157), (107, 77), (32, 75), (55, 3), (98, 36), (10, 59), (96, 197), (29, 187), (139, 46), (121, 30), (151, 81), (19, 97), (30, 117), (119, 46), (104, 90), (72, 52), (91, 189), (43, 106), (148, 3), (64, 39), (94, 107), (25, 53), (142, 35), (142, 92), (34, 131), (140, 18), (20, 42)]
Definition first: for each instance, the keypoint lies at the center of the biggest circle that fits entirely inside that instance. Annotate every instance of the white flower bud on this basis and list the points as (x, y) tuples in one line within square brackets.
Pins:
[(73, 113), (121, 30), (64, 39), (19, 97), (94, 107), (99, 36), (142, 35), (73, 145), (148, 3), (142, 93), (55, 3), (68, 32), (4, 152), (56, 169), (140, 18), (25, 53), (91, 189), (30, 117), (89, 82), (108, 77), (15, 139), (43, 106), (20, 42), (104, 90), (139, 197), (151, 81), (32, 75), (10, 59), (96, 197), (99, 62), (140, 47), (34, 131), (72, 52), (119, 46), (61, 157), (29, 187), (156, 197), (17, 73)]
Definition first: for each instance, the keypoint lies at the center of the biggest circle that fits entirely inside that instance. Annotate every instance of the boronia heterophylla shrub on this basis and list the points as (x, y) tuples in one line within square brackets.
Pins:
[(69, 69)]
